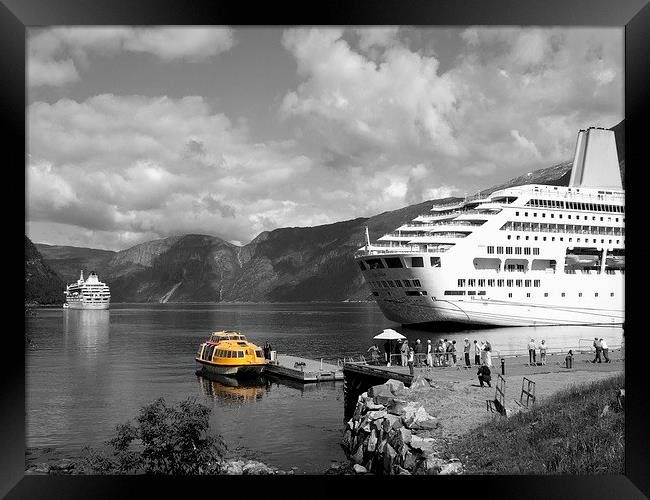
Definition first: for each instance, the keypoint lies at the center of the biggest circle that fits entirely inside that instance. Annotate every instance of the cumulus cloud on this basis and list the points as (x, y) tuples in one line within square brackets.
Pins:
[(353, 104), (140, 168), (373, 125), (513, 97), (53, 52)]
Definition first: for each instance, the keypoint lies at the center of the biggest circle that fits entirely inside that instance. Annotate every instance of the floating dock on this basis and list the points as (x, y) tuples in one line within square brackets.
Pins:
[(303, 370)]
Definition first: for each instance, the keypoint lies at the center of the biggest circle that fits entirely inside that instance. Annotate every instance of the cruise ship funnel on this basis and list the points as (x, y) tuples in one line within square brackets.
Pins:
[(595, 163)]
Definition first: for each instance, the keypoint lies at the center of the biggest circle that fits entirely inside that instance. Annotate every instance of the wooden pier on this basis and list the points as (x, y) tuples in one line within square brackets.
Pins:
[(303, 370)]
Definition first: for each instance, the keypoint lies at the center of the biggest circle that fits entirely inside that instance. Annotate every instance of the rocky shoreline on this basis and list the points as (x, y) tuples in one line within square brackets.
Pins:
[(51, 461), (392, 433)]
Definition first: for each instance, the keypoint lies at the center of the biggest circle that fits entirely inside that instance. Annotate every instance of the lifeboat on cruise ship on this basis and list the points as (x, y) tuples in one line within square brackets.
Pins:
[(229, 353)]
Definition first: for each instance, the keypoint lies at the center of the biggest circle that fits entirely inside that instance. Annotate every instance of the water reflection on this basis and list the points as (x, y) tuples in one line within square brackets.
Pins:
[(86, 329), (230, 389)]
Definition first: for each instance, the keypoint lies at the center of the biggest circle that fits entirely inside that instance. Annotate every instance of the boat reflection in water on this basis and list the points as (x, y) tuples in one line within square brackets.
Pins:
[(230, 389), (86, 329), (249, 390)]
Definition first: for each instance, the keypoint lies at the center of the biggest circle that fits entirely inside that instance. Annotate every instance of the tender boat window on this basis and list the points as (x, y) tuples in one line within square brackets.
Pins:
[(394, 262), (417, 262)]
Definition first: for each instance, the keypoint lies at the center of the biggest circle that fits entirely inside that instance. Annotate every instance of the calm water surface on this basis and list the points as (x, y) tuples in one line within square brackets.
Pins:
[(92, 370)]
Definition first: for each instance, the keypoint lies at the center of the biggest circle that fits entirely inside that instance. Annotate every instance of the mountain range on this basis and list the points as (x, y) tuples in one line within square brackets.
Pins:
[(286, 264)]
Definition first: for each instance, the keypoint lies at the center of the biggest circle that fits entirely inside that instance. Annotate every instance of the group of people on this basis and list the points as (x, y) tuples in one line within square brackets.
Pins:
[(442, 353), (601, 348), (532, 349)]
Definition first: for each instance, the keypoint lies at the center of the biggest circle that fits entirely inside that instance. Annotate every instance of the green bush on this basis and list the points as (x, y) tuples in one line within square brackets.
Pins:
[(164, 440)]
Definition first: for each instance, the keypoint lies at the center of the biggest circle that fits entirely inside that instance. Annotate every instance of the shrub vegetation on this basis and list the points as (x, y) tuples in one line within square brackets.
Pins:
[(164, 440)]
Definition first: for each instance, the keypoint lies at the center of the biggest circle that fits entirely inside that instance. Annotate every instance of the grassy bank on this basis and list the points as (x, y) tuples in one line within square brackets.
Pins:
[(567, 433)]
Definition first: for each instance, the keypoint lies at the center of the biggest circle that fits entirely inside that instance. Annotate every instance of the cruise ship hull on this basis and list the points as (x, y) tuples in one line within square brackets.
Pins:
[(558, 300), (497, 313), (85, 305)]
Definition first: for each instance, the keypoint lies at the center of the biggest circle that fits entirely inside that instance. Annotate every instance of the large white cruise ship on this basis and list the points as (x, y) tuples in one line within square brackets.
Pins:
[(88, 294), (527, 255)]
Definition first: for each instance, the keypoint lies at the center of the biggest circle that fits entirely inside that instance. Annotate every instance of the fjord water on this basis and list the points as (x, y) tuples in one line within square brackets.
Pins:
[(92, 370)]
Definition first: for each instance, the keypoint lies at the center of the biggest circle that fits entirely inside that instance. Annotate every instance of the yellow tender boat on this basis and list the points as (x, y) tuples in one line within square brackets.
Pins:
[(229, 353)]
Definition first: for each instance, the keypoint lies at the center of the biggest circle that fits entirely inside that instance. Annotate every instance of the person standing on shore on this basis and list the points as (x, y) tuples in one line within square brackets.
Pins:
[(531, 352), (404, 351), (477, 353), (603, 346), (453, 353), (410, 361), (488, 353), (542, 352), (466, 352), (418, 353), (429, 355), (387, 351), (439, 353), (599, 348), (374, 353)]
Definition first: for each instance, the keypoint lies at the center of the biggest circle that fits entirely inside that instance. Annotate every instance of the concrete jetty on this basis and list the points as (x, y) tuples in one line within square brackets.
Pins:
[(303, 369)]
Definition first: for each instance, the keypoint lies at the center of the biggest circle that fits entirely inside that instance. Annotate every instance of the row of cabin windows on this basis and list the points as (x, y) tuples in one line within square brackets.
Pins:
[(221, 353), (211, 350), (562, 228), (560, 216), (517, 250), (393, 284), (409, 293), (573, 205), (499, 283), (561, 238), (482, 292), (396, 262)]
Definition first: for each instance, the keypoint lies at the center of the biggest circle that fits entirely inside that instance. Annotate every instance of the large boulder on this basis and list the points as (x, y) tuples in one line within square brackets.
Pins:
[(360, 469), (395, 385), (396, 406), (389, 458), (357, 456), (372, 441), (374, 415), (422, 444), (452, 468), (391, 422)]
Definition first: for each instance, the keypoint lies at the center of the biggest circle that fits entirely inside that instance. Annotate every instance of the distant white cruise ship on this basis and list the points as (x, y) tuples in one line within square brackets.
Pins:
[(527, 255), (88, 294)]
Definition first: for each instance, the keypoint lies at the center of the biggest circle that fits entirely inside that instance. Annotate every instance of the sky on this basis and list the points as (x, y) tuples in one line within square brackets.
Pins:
[(139, 133)]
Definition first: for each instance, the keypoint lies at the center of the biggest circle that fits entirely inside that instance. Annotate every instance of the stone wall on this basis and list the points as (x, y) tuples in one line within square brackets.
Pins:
[(389, 433)]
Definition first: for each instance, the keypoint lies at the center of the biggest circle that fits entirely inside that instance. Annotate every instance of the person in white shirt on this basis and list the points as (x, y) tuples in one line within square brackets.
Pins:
[(531, 352), (488, 353), (603, 346), (429, 355), (542, 352), (477, 353)]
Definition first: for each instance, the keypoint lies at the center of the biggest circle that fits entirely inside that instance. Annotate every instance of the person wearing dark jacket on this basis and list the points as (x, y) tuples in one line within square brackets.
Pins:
[(484, 375)]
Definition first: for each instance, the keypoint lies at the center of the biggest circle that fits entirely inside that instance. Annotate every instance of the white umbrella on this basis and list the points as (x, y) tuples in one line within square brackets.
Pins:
[(389, 334)]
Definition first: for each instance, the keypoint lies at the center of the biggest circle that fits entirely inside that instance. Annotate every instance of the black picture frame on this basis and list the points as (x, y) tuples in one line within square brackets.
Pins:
[(634, 15)]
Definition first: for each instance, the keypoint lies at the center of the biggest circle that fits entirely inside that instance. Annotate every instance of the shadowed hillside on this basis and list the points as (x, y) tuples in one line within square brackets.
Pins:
[(42, 285)]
